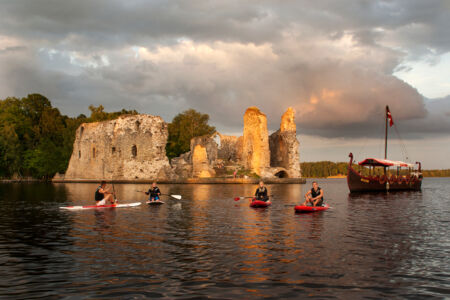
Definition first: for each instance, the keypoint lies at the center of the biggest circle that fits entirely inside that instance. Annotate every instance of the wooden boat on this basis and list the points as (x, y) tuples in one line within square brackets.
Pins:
[(385, 181), (357, 182)]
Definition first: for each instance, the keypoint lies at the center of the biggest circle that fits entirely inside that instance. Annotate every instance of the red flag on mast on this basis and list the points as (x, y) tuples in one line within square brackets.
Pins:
[(389, 116)]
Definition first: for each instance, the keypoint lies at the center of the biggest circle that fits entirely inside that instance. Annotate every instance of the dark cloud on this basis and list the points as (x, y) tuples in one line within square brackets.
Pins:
[(331, 60)]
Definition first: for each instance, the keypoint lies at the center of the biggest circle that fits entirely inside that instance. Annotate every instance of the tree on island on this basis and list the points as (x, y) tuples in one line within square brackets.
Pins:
[(98, 114), (183, 128)]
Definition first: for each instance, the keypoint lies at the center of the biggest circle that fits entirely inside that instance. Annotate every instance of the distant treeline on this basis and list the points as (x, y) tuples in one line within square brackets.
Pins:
[(36, 140), (436, 173), (323, 169)]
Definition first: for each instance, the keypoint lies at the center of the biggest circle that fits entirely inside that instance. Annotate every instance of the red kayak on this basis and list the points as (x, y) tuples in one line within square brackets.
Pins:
[(258, 203), (308, 209)]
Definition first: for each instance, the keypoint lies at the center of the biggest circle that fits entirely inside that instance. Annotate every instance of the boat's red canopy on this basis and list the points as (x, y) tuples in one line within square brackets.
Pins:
[(378, 162)]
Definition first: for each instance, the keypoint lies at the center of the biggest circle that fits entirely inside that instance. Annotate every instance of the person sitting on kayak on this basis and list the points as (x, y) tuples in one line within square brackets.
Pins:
[(154, 192), (261, 193), (102, 194), (314, 196)]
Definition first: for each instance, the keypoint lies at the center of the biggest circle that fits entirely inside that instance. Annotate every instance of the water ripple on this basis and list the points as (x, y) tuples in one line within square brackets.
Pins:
[(207, 245)]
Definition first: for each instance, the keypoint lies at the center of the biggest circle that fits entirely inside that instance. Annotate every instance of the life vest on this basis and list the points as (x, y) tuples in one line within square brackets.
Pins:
[(98, 196)]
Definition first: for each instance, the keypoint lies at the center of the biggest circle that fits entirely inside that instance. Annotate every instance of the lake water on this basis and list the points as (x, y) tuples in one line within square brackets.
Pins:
[(208, 245)]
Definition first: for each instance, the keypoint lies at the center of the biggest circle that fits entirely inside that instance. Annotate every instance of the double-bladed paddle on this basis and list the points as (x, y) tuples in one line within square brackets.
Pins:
[(244, 197), (178, 197), (114, 193)]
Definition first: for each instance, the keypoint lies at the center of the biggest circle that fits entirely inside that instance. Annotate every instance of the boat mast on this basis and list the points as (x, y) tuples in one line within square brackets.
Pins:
[(386, 134)]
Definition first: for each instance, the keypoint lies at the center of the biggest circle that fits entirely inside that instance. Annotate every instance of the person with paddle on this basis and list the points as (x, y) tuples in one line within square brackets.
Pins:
[(102, 195), (154, 193), (314, 196), (261, 193)]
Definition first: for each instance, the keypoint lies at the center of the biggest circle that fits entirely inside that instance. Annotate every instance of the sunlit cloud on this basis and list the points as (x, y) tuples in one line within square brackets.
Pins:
[(338, 64)]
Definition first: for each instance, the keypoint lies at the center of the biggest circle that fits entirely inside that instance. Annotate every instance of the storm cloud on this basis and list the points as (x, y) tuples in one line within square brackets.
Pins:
[(333, 61)]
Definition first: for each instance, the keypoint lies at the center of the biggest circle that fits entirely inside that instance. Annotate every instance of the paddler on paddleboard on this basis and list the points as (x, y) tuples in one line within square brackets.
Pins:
[(314, 196), (154, 192), (261, 193), (102, 195)]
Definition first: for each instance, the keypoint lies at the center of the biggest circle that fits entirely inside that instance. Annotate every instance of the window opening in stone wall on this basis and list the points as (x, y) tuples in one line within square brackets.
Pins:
[(134, 151), (113, 150), (79, 154), (93, 152), (138, 124)]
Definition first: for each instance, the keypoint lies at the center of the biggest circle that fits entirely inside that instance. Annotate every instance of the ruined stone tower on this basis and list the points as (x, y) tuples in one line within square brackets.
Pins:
[(284, 145), (255, 146)]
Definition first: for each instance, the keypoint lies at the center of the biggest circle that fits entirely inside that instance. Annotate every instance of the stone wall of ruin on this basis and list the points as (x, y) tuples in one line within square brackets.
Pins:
[(229, 149), (203, 155), (130, 147)]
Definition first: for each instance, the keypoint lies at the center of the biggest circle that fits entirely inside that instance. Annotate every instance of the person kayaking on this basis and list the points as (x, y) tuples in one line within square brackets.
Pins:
[(102, 195), (314, 196), (261, 192), (154, 193)]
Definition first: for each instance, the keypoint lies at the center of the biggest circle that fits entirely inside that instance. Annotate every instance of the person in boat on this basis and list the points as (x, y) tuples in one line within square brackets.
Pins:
[(154, 193), (103, 195), (314, 196), (261, 193)]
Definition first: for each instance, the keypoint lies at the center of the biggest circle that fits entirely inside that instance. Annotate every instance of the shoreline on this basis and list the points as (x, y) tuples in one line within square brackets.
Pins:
[(192, 181), (301, 180), (168, 181)]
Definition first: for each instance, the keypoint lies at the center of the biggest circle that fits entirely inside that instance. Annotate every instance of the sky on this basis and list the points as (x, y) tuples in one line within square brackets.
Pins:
[(337, 63)]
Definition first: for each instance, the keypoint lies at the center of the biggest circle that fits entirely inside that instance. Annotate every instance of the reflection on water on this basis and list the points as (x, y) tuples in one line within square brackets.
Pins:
[(208, 245), (104, 219)]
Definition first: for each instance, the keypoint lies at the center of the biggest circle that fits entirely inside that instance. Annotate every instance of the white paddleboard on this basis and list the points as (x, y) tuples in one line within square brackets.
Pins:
[(101, 206)]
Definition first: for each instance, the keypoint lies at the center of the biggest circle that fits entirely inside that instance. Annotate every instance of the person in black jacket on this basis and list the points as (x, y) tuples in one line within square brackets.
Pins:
[(261, 192), (314, 196), (154, 192), (103, 195)]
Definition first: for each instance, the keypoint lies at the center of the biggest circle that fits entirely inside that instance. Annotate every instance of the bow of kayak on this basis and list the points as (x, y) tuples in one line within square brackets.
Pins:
[(307, 209), (258, 203), (119, 205)]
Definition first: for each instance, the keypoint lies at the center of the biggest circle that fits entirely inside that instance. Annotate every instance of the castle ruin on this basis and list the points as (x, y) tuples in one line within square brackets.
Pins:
[(133, 148)]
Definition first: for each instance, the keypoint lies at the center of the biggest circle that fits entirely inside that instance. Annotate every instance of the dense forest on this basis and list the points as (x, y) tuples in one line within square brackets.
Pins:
[(322, 169)]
